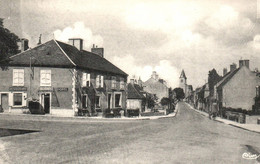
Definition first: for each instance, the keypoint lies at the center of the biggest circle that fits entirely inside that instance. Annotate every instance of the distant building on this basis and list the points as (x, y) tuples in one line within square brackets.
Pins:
[(187, 89), (156, 86), (136, 96)]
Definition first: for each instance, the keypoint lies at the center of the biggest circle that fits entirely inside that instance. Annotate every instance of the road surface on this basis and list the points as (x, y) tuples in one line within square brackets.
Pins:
[(187, 138)]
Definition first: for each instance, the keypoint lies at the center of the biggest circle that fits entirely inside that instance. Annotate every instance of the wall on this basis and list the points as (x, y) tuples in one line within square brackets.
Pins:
[(155, 87), (134, 104), (93, 91), (240, 91), (60, 78)]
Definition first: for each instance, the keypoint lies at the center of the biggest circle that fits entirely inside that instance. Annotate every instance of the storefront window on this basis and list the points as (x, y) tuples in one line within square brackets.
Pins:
[(18, 98)]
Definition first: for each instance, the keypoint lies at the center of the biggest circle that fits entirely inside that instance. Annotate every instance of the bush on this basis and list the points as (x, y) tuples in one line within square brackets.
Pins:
[(116, 112), (35, 108), (132, 112)]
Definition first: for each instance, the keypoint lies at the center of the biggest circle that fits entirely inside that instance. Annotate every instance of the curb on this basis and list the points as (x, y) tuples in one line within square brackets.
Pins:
[(78, 118), (223, 121)]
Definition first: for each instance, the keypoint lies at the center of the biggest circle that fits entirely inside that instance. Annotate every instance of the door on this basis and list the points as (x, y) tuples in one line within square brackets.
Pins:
[(109, 101), (45, 102), (4, 102)]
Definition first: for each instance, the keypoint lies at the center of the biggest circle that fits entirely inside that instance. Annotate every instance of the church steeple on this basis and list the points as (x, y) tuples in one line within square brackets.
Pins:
[(183, 75)]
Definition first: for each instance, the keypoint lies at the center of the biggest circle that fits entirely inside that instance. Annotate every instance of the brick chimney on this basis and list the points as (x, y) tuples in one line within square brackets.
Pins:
[(77, 42), (98, 51), (244, 63), (233, 67), (140, 82), (23, 44), (224, 71), (155, 76), (132, 81)]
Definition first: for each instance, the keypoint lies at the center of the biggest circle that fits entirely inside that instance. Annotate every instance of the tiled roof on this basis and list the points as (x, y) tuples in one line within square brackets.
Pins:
[(58, 54), (134, 91), (226, 78)]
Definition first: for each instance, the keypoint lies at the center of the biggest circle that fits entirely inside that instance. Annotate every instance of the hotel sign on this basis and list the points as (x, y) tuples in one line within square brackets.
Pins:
[(62, 89), (18, 88)]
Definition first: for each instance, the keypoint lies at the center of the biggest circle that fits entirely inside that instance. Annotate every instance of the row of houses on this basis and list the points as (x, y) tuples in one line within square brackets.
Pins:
[(63, 79), (238, 88)]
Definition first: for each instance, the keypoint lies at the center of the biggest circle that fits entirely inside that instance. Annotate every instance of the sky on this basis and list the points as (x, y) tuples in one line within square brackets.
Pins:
[(141, 36)]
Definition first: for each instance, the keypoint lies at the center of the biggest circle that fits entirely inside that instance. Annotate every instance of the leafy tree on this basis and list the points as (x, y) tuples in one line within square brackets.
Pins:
[(8, 43), (179, 93), (213, 79), (165, 101)]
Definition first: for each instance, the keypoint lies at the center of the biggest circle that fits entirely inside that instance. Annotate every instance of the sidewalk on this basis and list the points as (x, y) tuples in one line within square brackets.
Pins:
[(80, 118), (249, 127)]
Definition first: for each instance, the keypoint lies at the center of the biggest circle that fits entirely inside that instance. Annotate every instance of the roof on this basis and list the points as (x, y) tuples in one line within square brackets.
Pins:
[(134, 91), (183, 74), (58, 54), (226, 78)]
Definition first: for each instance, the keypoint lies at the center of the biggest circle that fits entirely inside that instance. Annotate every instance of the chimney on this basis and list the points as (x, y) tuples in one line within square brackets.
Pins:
[(98, 51), (77, 42), (23, 44), (132, 81), (233, 67), (224, 71), (154, 75), (140, 83), (244, 63)]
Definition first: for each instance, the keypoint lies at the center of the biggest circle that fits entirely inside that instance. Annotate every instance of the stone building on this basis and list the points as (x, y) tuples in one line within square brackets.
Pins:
[(63, 79)]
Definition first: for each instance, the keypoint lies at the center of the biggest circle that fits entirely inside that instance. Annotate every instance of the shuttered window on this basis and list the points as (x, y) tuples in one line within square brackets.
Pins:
[(86, 80), (122, 83), (18, 77), (45, 77), (113, 81), (99, 81)]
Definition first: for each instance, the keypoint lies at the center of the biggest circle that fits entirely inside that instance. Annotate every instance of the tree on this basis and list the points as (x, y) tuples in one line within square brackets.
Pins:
[(213, 79), (179, 93), (8, 43), (165, 101)]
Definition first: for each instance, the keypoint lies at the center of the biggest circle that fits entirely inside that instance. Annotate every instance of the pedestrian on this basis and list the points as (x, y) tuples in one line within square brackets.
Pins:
[(214, 109)]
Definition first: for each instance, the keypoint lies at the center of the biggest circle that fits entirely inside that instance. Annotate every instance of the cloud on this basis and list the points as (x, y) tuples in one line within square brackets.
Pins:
[(79, 31), (164, 68)]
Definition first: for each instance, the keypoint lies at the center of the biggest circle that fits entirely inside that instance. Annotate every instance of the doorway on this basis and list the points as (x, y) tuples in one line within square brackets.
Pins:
[(45, 102), (109, 101), (4, 102)]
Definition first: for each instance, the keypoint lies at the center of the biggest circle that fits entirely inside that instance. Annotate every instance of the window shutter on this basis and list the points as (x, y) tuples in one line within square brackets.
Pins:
[(49, 77), (15, 77), (88, 79), (10, 99), (84, 79), (120, 100), (97, 81), (21, 77), (24, 99), (102, 81)]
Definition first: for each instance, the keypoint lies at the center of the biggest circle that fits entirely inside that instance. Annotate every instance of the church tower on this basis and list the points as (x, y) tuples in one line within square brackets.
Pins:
[(183, 82)]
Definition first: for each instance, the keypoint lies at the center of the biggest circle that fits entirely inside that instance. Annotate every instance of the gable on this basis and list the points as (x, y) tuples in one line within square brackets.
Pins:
[(47, 54)]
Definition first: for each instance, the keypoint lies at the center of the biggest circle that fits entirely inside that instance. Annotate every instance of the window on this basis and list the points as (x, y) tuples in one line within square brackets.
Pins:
[(122, 83), (18, 77), (118, 100), (85, 101), (113, 85), (97, 101), (86, 80), (99, 81), (45, 77), (18, 99)]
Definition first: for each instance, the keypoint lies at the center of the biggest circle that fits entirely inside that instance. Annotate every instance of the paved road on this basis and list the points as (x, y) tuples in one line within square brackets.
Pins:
[(186, 138)]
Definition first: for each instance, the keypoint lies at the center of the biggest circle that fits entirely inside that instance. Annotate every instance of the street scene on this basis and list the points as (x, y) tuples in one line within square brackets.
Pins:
[(187, 138), (129, 81)]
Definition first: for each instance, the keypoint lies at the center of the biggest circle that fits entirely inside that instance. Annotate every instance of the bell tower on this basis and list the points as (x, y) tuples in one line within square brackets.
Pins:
[(183, 82)]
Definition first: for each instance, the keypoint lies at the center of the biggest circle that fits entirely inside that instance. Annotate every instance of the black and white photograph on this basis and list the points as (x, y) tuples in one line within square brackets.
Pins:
[(130, 81)]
